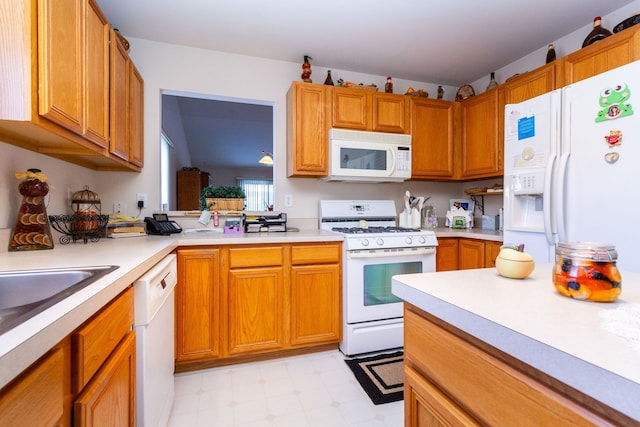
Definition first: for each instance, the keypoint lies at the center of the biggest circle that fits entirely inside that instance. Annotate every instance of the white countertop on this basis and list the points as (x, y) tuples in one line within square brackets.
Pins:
[(472, 233), (24, 344), (529, 320)]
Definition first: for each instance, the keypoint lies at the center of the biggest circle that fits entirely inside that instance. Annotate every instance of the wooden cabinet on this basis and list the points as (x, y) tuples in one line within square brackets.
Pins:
[(57, 77), (432, 138), (103, 366), (427, 406), (308, 109), (470, 254), (73, 73), (456, 379), (358, 109), (481, 122), (247, 302), (36, 397), (604, 55), (126, 117), (189, 185), (198, 305), (447, 254), (491, 251), (455, 253), (316, 277), (257, 297), (109, 399), (531, 84)]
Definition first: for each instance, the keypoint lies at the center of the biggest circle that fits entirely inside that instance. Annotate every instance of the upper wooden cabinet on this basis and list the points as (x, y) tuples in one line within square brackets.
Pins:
[(531, 84), (432, 138), (307, 130), (481, 121), (55, 83), (604, 55), (359, 109)]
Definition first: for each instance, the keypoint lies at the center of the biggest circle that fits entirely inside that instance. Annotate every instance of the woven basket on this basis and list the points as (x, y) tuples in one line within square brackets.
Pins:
[(216, 204)]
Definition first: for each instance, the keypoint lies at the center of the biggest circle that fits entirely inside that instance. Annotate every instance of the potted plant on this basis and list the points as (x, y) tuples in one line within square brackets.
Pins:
[(222, 198)]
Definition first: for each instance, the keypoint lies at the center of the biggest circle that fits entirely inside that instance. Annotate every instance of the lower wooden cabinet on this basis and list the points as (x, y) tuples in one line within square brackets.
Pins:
[(453, 379), (198, 305), (455, 253), (36, 397), (242, 301), (109, 399), (87, 379)]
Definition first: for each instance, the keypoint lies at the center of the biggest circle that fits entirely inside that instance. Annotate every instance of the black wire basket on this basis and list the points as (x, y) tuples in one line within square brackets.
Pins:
[(79, 227)]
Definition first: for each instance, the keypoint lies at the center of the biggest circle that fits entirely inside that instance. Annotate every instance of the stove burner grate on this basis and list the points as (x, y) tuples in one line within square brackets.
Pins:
[(371, 230)]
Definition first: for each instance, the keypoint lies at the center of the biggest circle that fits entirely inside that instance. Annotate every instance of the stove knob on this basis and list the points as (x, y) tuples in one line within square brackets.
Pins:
[(408, 240), (422, 240), (365, 242), (379, 242)]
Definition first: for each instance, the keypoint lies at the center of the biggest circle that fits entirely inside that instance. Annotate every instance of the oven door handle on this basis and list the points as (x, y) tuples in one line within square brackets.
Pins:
[(376, 254)]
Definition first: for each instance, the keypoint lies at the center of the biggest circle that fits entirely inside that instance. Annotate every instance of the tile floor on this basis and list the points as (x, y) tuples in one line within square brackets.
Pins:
[(316, 390)]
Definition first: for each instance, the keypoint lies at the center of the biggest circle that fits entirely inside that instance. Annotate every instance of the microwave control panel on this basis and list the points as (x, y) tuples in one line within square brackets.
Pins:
[(404, 159)]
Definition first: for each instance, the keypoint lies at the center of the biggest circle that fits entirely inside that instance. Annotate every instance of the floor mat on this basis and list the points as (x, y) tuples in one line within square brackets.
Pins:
[(381, 376)]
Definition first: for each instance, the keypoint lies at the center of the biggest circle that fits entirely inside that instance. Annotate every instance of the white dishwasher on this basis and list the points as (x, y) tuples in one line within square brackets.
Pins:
[(154, 326)]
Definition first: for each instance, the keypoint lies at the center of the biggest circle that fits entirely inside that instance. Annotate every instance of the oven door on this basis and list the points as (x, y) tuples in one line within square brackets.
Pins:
[(367, 287)]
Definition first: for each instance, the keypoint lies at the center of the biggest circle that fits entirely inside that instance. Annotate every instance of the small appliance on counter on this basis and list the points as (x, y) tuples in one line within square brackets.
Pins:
[(265, 222)]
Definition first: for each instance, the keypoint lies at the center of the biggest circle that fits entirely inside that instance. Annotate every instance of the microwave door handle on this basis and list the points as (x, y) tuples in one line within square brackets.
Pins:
[(392, 156)]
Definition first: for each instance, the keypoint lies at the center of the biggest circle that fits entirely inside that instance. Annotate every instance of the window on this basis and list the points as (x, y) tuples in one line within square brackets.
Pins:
[(258, 192)]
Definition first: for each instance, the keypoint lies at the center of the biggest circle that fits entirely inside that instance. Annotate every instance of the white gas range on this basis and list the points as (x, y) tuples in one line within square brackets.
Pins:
[(374, 251)]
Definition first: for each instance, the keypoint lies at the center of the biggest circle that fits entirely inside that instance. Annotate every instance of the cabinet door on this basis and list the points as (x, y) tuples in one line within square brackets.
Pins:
[(432, 146), (491, 251), (119, 75), (96, 75), (427, 406), (136, 116), (612, 52), (389, 113), (307, 130), (109, 399), (256, 308), (198, 305), (350, 108), (481, 124), (36, 397), (531, 84), (471, 254), (447, 254), (60, 62), (315, 304)]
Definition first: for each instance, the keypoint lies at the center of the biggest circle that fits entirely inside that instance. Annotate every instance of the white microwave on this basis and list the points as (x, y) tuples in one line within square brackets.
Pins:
[(368, 156)]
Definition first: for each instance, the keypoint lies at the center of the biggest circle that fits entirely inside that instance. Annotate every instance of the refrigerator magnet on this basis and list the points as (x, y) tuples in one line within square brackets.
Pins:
[(614, 103), (614, 138), (611, 158)]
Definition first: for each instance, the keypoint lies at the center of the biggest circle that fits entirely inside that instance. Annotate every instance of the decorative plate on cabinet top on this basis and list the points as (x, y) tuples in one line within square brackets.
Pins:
[(629, 22), (464, 92)]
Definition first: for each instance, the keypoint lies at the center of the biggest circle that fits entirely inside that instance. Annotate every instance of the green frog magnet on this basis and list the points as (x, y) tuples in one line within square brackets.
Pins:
[(614, 103)]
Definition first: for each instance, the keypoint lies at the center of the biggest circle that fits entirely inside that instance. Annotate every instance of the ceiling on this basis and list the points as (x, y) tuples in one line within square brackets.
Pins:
[(445, 42)]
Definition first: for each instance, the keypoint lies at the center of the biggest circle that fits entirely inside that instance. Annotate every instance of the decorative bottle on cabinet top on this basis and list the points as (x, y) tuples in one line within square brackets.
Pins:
[(598, 32), (551, 53), (388, 87), (492, 82)]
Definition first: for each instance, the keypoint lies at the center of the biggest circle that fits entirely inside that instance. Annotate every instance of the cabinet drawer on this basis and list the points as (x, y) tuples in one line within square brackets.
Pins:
[(96, 339), (315, 254), (482, 385), (255, 257)]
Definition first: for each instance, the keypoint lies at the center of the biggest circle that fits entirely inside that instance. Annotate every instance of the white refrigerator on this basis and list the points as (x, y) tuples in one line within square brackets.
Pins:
[(572, 167)]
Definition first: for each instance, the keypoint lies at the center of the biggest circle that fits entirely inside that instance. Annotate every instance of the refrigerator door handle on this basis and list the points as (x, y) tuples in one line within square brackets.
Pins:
[(560, 195), (547, 204)]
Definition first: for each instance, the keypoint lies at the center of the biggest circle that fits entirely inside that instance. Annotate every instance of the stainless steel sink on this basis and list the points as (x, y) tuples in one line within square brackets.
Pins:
[(23, 294)]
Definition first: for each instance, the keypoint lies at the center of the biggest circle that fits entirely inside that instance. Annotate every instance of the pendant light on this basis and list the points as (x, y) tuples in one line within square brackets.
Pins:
[(267, 158)]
